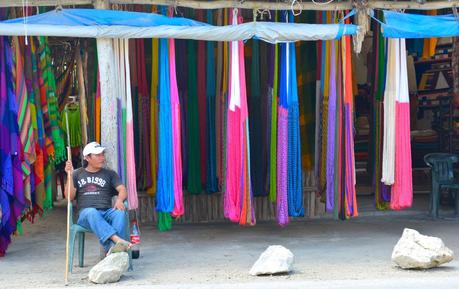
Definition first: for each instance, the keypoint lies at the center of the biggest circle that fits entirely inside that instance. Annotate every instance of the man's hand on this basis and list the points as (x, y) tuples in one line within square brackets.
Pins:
[(119, 205), (68, 167)]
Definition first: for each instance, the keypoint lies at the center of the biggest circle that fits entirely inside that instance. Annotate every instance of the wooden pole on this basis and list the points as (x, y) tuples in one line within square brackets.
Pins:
[(108, 99), (82, 96), (69, 175), (214, 4)]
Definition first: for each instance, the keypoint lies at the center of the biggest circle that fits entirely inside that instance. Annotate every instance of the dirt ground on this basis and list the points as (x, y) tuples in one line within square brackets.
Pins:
[(205, 254)]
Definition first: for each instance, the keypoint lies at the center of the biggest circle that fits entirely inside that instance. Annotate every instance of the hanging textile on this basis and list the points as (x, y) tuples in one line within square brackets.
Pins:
[(382, 192), (282, 141), (131, 182), (165, 191), (12, 201), (28, 72), (324, 93), (306, 66), (391, 89), (54, 141), (144, 101), (202, 102), (256, 122), (402, 190), (238, 195), (154, 115), (120, 87), (194, 150), (349, 160), (179, 209), (222, 107), (39, 166), (273, 132), (23, 118), (212, 182), (73, 113), (332, 122), (295, 189)]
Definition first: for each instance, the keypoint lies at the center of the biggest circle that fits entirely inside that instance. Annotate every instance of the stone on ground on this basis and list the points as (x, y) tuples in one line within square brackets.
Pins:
[(274, 260), (110, 269), (417, 251)]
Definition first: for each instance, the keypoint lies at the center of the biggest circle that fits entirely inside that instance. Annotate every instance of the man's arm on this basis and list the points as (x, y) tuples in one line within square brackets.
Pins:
[(69, 168), (122, 195)]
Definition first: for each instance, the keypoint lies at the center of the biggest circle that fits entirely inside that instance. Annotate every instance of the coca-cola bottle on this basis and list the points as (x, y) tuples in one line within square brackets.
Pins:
[(135, 239)]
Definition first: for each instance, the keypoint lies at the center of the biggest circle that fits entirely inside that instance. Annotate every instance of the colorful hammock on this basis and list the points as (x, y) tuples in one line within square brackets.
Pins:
[(402, 190), (238, 195)]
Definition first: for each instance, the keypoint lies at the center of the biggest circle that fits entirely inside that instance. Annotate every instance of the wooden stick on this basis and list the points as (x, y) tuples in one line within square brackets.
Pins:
[(69, 175)]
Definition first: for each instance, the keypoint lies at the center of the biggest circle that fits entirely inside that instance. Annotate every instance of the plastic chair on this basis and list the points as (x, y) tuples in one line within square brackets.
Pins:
[(442, 165), (77, 230)]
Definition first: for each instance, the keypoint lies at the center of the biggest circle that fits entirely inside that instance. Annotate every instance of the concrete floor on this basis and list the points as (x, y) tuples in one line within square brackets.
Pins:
[(328, 254)]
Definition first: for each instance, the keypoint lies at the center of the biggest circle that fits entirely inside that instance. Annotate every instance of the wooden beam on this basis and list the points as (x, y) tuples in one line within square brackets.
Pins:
[(248, 4), (217, 4), (19, 3)]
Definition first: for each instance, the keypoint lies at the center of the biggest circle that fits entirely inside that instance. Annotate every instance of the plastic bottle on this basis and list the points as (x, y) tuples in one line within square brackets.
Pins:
[(135, 240)]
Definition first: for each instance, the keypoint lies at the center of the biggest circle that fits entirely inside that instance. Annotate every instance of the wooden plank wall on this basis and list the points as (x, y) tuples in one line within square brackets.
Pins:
[(206, 208)]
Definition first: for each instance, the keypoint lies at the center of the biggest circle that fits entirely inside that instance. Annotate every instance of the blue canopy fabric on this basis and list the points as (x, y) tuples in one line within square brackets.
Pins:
[(94, 23), (92, 17), (403, 25)]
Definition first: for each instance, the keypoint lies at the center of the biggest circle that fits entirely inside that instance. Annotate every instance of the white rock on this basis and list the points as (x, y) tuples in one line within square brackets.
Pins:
[(110, 269), (417, 251), (275, 259)]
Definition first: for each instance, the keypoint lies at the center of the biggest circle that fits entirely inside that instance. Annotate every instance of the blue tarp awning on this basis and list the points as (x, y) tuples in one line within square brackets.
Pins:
[(92, 17), (94, 23), (403, 25)]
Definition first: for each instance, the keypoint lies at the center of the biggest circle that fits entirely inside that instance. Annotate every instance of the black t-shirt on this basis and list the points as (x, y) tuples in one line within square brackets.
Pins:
[(95, 190)]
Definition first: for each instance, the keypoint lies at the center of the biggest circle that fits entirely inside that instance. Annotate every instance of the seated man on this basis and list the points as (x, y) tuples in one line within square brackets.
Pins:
[(94, 186)]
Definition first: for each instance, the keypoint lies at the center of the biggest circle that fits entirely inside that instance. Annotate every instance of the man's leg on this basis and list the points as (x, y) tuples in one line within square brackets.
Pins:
[(93, 219), (117, 219)]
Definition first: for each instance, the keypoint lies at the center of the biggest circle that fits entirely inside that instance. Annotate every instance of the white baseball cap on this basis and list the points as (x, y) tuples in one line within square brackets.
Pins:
[(93, 148)]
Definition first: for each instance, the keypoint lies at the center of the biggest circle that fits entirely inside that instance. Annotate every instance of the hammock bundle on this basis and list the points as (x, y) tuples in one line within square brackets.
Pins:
[(295, 189), (212, 182), (238, 195), (154, 117), (402, 189), (165, 191), (126, 163), (330, 166), (382, 192), (338, 165), (179, 209), (349, 163), (194, 151), (273, 130)]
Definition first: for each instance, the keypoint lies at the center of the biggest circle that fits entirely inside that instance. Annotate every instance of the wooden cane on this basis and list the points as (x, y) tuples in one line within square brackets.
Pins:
[(69, 175)]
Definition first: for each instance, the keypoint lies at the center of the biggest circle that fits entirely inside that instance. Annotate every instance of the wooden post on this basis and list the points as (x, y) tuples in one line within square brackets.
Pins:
[(109, 131), (82, 96)]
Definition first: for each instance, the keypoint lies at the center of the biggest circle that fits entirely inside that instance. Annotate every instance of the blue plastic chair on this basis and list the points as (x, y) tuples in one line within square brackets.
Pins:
[(77, 230), (442, 165)]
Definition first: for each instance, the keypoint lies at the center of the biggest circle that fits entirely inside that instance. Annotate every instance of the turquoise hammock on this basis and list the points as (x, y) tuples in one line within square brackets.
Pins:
[(165, 191)]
